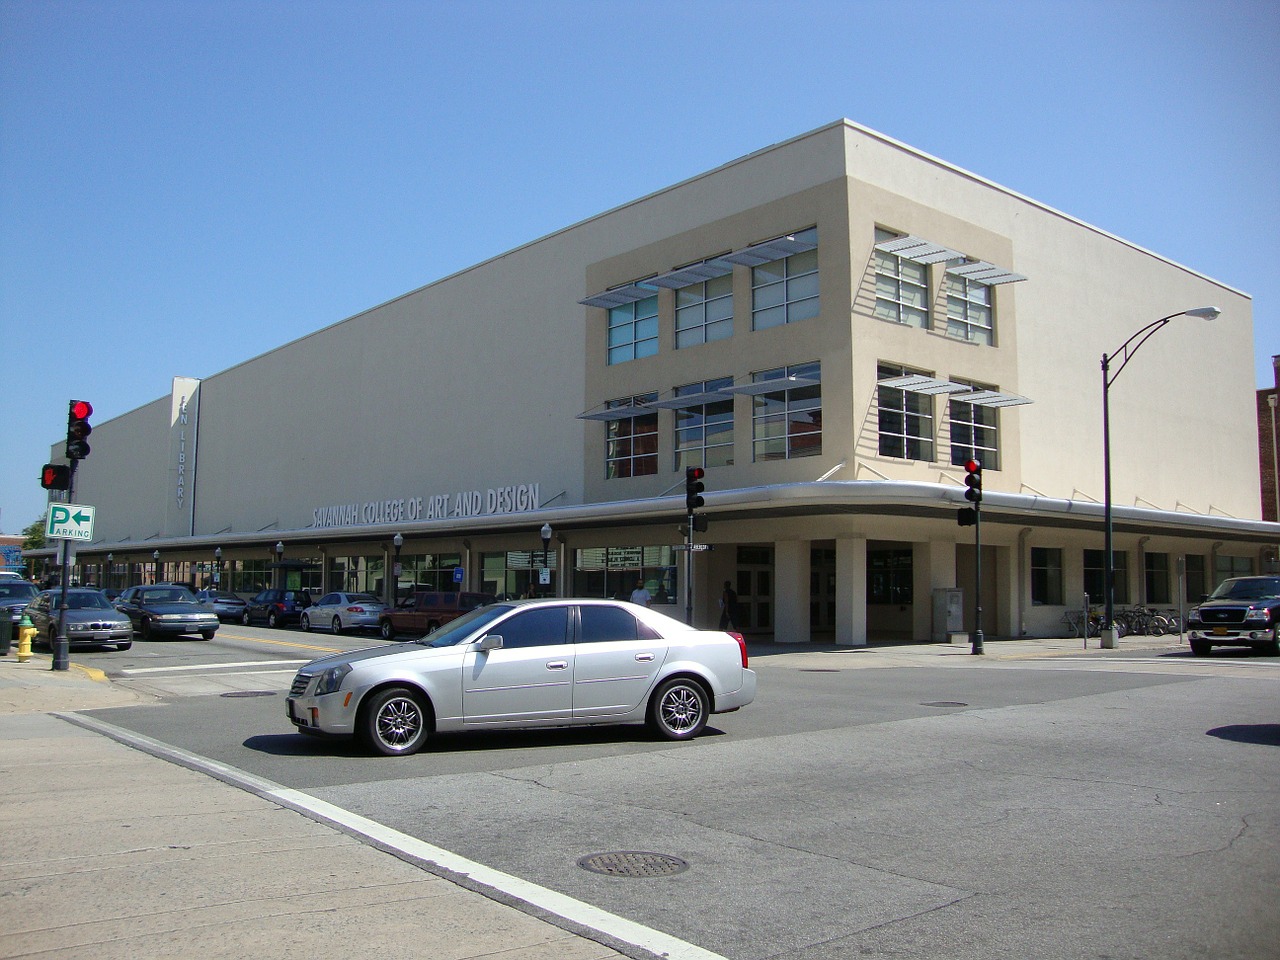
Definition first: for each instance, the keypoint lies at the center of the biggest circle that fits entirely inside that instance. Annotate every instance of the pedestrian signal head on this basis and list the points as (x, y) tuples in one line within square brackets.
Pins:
[(55, 476)]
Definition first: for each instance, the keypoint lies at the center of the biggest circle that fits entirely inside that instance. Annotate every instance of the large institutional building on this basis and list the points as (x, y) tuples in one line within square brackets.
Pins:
[(831, 326)]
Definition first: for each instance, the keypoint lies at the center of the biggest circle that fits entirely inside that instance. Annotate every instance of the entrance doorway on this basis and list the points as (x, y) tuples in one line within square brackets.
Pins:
[(822, 590), (754, 586)]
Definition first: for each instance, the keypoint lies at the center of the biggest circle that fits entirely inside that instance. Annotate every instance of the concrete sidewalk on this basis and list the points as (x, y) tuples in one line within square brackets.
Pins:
[(120, 848), (112, 852)]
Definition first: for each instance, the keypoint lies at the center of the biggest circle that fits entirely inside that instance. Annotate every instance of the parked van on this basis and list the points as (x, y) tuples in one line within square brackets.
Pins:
[(424, 611)]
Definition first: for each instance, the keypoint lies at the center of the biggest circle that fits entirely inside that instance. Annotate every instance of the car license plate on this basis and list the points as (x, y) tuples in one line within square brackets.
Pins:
[(1219, 631)]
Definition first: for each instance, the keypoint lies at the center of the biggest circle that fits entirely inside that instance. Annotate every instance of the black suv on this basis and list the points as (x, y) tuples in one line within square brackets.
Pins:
[(277, 607), (1242, 612)]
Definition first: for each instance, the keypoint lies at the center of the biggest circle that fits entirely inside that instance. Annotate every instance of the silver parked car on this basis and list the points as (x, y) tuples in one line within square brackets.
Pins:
[(91, 619), (228, 606), (527, 663), (343, 611)]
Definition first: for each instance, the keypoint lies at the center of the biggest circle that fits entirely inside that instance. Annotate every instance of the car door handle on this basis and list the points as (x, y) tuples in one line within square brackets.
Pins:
[(557, 664), (644, 657)]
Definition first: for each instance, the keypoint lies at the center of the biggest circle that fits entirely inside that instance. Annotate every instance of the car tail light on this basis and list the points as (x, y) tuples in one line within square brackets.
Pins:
[(742, 646), (355, 609)]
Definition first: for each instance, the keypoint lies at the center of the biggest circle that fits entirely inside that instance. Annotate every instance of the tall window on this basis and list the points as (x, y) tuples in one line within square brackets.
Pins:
[(1156, 577), (1046, 576), (631, 443), (1095, 576), (633, 330), (786, 290), (906, 418), (704, 432), (1197, 577), (704, 312), (969, 313), (890, 577), (787, 423), (975, 432), (902, 287)]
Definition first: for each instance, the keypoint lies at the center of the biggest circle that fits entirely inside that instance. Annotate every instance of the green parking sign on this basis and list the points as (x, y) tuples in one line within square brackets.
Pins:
[(69, 521)]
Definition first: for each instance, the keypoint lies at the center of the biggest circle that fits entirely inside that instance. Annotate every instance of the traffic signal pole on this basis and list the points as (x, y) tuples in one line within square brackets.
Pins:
[(61, 646), (973, 481)]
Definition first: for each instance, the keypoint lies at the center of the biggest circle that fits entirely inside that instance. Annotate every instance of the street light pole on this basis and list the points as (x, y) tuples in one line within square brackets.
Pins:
[(1124, 353)]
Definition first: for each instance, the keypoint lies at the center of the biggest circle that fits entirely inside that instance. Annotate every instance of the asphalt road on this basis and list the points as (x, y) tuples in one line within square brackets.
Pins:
[(1082, 807)]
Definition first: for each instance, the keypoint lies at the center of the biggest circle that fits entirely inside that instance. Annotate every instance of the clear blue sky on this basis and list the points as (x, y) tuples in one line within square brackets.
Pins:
[(185, 184)]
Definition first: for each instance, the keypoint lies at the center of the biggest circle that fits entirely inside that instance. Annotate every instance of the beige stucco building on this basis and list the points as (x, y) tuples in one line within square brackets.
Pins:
[(831, 326)]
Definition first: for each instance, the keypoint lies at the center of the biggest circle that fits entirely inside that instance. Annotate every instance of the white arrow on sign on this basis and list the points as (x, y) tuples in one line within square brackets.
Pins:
[(69, 521)]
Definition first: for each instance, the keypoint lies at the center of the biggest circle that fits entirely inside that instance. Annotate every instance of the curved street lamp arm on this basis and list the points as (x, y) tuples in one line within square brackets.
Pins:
[(1126, 352)]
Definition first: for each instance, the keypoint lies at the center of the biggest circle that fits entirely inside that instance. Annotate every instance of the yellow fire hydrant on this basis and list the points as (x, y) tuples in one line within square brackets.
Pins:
[(26, 633)]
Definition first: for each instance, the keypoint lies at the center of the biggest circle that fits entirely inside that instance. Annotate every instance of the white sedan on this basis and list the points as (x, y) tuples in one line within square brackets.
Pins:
[(531, 663), (343, 611)]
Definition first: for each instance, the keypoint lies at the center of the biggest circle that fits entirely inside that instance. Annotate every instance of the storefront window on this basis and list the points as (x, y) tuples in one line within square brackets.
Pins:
[(519, 573), (612, 572)]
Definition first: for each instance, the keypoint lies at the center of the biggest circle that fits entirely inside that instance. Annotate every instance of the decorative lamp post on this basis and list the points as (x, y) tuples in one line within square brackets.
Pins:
[(279, 578), (546, 542), (1124, 353), (155, 566), (110, 569), (397, 541), (217, 567)]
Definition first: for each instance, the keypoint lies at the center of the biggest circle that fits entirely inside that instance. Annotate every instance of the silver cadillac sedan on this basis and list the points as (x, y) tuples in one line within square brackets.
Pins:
[(529, 663)]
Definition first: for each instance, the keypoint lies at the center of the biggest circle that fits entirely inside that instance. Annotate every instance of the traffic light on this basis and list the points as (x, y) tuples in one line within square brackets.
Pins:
[(967, 516), (55, 476), (973, 480), (78, 429), (693, 486)]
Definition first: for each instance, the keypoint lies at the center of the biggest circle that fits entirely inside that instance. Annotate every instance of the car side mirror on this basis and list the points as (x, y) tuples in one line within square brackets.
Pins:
[(490, 641)]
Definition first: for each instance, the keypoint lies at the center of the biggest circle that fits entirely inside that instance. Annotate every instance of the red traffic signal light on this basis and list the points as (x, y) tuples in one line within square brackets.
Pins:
[(55, 476), (973, 480), (693, 486), (78, 428)]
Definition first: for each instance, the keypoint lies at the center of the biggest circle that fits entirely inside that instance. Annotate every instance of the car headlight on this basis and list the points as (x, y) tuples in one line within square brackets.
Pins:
[(1193, 613), (1257, 615), (77, 627), (331, 679)]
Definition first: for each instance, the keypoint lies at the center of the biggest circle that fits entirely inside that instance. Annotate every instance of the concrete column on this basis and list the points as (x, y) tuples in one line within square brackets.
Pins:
[(851, 591), (791, 591)]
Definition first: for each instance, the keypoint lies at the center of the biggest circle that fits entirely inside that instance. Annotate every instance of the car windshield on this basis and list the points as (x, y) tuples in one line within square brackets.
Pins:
[(455, 631), (84, 601), (166, 595), (1248, 588), (14, 590)]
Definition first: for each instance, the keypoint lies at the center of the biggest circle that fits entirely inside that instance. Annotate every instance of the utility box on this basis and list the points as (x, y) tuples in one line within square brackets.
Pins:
[(948, 613)]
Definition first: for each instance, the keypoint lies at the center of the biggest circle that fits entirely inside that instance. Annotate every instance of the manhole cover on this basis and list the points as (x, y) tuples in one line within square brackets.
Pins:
[(633, 863), (944, 703), (249, 693)]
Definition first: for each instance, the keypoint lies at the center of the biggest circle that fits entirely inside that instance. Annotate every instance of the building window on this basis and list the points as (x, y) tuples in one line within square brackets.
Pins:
[(704, 312), (969, 312), (1046, 576), (902, 287), (1156, 577), (1197, 581), (633, 330), (786, 290), (906, 418), (787, 423), (975, 432), (1225, 567), (890, 577), (1095, 576), (704, 432), (615, 571), (631, 443)]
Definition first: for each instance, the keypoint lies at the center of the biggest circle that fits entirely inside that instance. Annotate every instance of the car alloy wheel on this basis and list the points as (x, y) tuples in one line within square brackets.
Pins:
[(394, 722), (305, 623), (244, 618), (337, 625), (679, 709), (386, 630), (272, 619)]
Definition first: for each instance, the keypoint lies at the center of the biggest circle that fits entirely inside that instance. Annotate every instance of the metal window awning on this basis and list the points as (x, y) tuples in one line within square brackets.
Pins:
[(979, 271), (694, 273), (617, 413), (770, 250), (919, 383), (932, 386), (620, 296), (993, 398), (686, 400), (918, 250), (756, 387)]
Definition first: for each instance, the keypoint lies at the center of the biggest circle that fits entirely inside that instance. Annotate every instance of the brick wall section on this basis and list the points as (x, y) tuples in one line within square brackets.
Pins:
[(1266, 439)]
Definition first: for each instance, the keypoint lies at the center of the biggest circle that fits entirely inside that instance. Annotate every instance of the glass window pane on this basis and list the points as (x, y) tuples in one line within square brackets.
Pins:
[(773, 317)]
